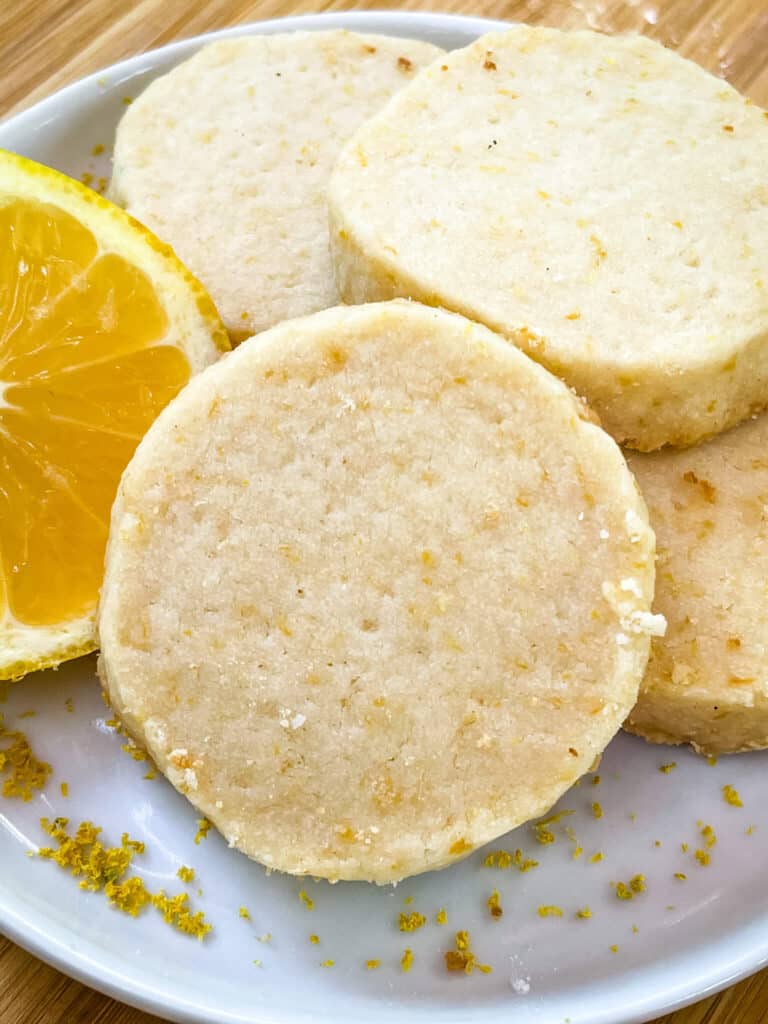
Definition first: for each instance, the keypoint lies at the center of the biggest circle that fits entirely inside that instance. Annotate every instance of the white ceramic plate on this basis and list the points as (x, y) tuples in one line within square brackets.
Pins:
[(677, 941)]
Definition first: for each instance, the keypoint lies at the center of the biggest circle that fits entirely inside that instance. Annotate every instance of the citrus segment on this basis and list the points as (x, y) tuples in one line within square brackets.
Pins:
[(48, 539), (100, 326)]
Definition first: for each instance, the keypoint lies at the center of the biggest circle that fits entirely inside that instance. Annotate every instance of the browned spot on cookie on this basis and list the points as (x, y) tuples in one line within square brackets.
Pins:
[(708, 490)]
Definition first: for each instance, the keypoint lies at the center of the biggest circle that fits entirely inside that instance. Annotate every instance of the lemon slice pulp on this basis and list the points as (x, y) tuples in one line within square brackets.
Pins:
[(100, 326)]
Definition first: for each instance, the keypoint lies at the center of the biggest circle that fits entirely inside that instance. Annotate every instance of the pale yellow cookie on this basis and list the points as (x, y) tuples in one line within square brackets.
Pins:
[(227, 157), (707, 680), (600, 201), (376, 592)]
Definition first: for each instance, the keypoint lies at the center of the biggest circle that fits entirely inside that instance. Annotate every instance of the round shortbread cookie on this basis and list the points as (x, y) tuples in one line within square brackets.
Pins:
[(600, 201), (707, 680), (228, 156), (376, 592)]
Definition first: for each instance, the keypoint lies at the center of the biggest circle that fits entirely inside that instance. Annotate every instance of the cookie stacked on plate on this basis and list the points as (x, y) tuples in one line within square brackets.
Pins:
[(609, 203), (378, 586)]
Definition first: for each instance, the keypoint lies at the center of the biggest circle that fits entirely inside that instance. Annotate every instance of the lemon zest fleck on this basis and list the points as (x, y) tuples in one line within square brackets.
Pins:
[(411, 922), (27, 772), (504, 859), (462, 958), (102, 868), (459, 847), (731, 796), (708, 834), (550, 911), (135, 752), (494, 905), (203, 828), (628, 890), (176, 912)]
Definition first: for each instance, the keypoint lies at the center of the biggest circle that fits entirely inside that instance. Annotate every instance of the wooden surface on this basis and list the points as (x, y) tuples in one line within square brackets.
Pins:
[(46, 43)]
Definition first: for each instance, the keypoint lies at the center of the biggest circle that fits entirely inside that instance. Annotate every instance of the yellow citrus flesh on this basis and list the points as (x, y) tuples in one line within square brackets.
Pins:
[(88, 357)]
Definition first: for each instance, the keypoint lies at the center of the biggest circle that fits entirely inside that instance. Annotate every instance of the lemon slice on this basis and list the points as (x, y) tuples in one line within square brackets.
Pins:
[(100, 326)]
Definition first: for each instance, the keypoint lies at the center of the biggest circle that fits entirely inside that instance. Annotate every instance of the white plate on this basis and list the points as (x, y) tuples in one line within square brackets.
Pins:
[(692, 937)]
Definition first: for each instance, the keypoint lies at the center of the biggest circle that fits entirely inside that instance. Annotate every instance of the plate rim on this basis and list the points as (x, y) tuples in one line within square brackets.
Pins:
[(747, 948)]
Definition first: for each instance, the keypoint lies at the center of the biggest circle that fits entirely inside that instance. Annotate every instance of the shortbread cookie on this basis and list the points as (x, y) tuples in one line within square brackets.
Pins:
[(227, 157), (376, 592), (707, 680), (600, 201)]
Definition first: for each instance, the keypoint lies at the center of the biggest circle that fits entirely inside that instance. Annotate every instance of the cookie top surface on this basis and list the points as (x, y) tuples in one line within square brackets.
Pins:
[(375, 592), (227, 158), (599, 200)]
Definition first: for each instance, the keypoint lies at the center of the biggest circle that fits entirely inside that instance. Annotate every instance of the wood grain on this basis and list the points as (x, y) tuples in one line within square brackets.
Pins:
[(44, 44)]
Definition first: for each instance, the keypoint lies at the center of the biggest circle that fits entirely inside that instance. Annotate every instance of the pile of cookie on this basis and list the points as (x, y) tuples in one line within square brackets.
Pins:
[(380, 583)]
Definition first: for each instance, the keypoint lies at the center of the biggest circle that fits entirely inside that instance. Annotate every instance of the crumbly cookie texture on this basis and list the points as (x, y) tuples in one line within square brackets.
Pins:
[(707, 678), (599, 200), (376, 592), (228, 156)]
